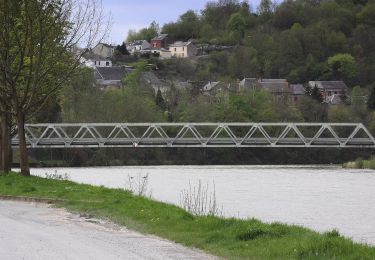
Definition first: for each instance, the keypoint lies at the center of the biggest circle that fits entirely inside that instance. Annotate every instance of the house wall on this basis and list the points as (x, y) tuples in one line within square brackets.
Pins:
[(103, 51), (184, 51), (103, 63)]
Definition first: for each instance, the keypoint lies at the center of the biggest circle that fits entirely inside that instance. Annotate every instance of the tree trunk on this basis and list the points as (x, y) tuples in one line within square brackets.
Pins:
[(1, 149), (24, 161), (5, 145), (5, 165)]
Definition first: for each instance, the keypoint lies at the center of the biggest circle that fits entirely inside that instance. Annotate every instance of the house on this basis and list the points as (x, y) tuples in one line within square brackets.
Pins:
[(278, 87), (149, 78), (296, 91), (160, 41), (214, 87), (333, 92), (92, 60), (110, 76), (104, 50), (248, 84), (138, 46), (163, 53), (183, 49)]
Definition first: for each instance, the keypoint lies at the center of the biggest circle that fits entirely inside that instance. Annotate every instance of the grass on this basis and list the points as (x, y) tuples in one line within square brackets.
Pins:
[(360, 164), (228, 238)]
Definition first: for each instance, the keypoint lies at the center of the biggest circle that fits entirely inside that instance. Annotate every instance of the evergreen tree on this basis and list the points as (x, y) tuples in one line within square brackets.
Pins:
[(122, 49)]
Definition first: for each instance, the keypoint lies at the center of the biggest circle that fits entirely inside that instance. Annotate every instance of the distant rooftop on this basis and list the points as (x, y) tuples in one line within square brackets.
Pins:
[(160, 37), (297, 89), (113, 73), (329, 84), (180, 44)]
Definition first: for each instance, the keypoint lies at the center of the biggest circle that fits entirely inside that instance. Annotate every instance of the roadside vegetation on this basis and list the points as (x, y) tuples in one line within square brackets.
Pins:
[(228, 238), (361, 164)]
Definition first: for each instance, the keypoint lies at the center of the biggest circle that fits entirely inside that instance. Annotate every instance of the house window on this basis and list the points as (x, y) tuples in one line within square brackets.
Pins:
[(183, 48), (329, 93), (175, 49), (107, 63)]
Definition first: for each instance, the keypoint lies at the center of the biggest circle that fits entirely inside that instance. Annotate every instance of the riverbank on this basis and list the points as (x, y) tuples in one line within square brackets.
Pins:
[(229, 238), (360, 164)]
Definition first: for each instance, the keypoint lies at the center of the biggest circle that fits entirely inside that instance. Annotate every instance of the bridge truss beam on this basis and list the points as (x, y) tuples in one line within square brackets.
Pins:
[(344, 135)]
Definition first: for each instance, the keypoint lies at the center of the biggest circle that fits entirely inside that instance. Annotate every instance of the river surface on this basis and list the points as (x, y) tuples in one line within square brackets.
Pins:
[(318, 197)]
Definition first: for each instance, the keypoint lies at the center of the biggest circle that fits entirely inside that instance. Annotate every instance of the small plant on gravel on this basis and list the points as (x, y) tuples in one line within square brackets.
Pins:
[(57, 176), (199, 201), (138, 185)]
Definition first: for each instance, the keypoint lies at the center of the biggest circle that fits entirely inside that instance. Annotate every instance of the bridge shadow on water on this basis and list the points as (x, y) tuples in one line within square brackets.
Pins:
[(192, 156)]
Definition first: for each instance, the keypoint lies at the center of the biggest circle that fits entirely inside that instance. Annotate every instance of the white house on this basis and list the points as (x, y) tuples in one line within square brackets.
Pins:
[(183, 49), (138, 46)]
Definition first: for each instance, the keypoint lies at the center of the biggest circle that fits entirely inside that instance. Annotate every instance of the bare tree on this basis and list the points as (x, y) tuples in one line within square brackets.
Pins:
[(39, 51)]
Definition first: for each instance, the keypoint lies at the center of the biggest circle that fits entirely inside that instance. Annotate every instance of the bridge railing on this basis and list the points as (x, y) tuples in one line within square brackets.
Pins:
[(197, 135)]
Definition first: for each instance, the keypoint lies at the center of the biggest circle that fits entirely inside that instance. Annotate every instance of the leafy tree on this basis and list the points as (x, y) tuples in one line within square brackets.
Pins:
[(144, 34), (237, 24), (343, 66), (36, 47)]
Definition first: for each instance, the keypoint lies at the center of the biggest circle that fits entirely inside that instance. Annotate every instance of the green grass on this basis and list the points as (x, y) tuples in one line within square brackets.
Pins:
[(228, 238), (361, 164)]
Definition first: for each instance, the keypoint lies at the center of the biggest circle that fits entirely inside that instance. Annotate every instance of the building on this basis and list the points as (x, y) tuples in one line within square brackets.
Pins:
[(248, 84), (104, 50), (110, 76), (296, 91), (163, 53), (333, 92), (183, 49), (138, 46), (160, 42)]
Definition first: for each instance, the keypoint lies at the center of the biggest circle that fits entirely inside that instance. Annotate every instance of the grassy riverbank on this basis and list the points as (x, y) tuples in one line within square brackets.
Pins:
[(360, 164), (228, 238)]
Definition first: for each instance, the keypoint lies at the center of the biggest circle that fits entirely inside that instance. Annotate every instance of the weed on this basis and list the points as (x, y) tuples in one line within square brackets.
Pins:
[(199, 201)]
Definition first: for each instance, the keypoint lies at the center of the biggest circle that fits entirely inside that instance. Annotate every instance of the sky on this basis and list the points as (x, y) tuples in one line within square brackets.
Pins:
[(133, 14)]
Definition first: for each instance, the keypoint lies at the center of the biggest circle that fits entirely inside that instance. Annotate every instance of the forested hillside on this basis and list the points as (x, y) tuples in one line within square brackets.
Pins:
[(299, 40)]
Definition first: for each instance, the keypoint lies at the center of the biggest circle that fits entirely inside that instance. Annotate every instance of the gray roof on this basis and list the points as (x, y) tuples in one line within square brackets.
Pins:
[(275, 85), (106, 45), (329, 84), (160, 37), (180, 44), (112, 73), (297, 89)]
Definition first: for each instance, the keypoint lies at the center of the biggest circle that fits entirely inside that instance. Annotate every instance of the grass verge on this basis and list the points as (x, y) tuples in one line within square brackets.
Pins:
[(360, 164), (228, 238)]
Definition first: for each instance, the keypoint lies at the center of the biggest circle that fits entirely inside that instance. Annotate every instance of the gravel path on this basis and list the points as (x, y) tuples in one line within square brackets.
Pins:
[(37, 231)]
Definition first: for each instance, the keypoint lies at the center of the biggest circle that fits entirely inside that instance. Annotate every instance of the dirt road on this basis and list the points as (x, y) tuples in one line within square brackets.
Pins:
[(37, 231)]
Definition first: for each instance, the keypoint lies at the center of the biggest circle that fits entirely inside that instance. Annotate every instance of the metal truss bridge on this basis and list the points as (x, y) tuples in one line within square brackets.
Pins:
[(339, 135)]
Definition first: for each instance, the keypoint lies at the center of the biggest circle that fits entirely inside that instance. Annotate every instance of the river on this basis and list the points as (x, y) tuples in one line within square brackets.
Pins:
[(318, 197)]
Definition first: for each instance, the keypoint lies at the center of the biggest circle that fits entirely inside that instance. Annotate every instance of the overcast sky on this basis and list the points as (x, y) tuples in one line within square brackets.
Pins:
[(133, 14)]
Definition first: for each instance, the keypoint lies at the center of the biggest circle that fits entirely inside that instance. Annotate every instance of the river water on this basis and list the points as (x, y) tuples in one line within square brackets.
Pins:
[(318, 197)]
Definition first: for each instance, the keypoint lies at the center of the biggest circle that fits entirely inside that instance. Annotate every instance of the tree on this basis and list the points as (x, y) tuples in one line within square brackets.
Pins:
[(38, 53), (343, 66), (122, 49), (237, 24), (159, 100), (144, 34)]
